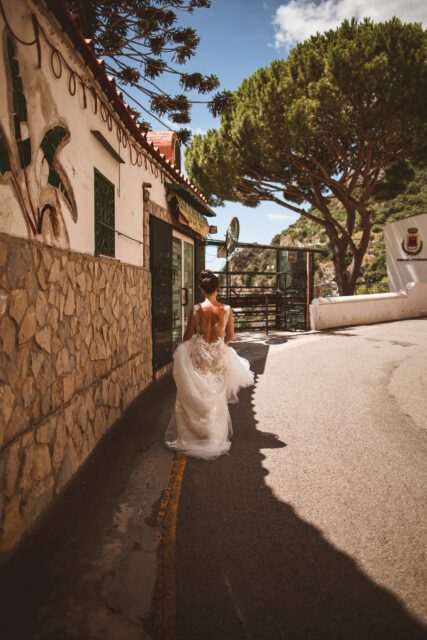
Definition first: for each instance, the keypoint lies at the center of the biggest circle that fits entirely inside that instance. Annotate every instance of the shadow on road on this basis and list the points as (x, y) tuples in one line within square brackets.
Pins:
[(273, 337), (249, 568)]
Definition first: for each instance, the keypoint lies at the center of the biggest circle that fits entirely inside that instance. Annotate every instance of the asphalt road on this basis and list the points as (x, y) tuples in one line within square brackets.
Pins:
[(314, 527)]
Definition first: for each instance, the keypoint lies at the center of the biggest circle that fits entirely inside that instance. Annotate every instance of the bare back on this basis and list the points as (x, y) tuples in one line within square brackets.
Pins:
[(210, 320)]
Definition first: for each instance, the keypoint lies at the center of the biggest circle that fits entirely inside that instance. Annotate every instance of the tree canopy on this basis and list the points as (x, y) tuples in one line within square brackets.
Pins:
[(410, 201), (139, 41), (326, 125)]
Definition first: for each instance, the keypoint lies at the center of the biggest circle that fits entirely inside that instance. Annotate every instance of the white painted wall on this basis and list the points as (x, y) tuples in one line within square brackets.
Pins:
[(49, 103), (345, 311)]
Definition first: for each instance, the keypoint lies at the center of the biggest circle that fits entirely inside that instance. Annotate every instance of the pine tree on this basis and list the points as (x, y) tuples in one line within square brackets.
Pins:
[(139, 41), (318, 132)]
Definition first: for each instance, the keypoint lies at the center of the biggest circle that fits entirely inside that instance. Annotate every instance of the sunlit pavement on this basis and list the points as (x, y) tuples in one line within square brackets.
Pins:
[(313, 527)]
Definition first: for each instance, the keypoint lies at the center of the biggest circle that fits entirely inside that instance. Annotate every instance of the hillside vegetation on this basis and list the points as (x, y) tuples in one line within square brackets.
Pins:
[(411, 201)]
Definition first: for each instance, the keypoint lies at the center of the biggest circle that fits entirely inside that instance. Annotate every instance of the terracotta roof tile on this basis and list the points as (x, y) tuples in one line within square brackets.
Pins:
[(115, 96)]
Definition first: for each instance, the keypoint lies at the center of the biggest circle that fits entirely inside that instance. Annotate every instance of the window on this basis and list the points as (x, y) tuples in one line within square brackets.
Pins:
[(104, 216)]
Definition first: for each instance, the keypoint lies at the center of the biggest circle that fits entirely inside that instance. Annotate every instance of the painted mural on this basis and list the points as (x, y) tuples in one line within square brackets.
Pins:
[(32, 167)]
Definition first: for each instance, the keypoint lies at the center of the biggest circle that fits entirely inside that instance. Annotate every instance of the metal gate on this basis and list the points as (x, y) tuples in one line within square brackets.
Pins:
[(294, 290), (278, 298)]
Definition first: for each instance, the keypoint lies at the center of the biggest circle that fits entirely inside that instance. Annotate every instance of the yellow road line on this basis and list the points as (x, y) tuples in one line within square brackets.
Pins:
[(164, 602), (164, 605)]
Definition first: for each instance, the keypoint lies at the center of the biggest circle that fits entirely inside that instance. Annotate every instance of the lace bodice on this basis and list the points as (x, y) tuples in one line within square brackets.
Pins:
[(209, 358), (196, 317)]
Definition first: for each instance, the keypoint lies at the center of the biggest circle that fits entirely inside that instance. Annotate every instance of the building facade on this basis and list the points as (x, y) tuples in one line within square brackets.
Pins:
[(101, 239)]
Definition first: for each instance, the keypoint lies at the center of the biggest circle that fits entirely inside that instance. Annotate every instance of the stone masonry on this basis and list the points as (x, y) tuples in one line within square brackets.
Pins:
[(75, 337)]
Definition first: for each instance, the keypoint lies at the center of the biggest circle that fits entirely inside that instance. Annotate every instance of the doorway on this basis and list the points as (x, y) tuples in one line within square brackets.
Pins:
[(182, 284)]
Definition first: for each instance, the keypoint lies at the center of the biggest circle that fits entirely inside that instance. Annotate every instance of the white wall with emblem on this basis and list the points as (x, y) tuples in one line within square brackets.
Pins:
[(406, 251)]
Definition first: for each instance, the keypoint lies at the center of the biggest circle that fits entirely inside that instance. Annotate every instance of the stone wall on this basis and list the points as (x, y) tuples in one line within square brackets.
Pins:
[(75, 336)]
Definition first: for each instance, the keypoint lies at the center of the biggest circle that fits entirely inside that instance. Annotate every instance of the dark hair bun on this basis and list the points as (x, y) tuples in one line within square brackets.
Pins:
[(208, 281)]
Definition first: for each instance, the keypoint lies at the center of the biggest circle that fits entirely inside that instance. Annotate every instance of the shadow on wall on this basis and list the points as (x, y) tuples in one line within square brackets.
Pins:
[(249, 568), (58, 585)]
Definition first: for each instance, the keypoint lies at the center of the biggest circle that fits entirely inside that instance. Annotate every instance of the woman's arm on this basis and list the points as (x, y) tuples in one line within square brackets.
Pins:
[(229, 329), (190, 329)]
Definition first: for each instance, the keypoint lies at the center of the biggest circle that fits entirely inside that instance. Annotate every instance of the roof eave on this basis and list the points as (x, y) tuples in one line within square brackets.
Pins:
[(97, 67)]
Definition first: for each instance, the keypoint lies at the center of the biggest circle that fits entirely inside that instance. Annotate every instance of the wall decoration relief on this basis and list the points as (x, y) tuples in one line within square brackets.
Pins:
[(39, 181)]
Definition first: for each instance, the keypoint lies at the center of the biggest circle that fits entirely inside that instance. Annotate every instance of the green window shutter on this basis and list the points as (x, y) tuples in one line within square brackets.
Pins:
[(104, 216)]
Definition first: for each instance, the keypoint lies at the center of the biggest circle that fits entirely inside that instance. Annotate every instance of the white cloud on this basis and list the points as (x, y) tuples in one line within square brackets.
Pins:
[(281, 216), (300, 19)]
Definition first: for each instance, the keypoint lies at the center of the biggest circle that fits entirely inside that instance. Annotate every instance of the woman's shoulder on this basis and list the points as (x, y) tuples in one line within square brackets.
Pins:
[(226, 308), (210, 307)]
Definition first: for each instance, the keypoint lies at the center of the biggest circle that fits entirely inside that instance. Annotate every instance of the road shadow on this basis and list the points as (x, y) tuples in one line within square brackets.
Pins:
[(345, 334), (271, 338), (340, 333), (247, 567)]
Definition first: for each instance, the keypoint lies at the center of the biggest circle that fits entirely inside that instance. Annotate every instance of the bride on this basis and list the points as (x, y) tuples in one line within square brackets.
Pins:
[(208, 374)]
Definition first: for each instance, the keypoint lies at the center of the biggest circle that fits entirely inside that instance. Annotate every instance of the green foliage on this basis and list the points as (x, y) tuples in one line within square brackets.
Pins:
[(253, 260), (411, 201), (323, 127), (139, 41)]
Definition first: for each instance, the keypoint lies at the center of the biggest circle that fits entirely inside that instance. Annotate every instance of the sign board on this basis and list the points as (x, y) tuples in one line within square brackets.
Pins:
[(406, 251), (191, 217)]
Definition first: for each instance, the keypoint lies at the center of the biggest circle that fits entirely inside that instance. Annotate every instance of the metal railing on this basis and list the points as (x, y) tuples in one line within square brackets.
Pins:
[(254, 305), (262, 306)]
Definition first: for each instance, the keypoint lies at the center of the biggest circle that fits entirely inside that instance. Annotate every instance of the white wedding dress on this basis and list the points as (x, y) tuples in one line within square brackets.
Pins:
[(208, 375)]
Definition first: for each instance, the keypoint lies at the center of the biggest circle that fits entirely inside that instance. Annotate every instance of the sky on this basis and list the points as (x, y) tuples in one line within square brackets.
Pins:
[(237, 37)]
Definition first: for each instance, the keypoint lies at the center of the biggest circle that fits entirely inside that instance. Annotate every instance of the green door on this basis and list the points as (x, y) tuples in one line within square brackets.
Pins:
[(199, 265), (291, 305), (161, 273), (176, 290)]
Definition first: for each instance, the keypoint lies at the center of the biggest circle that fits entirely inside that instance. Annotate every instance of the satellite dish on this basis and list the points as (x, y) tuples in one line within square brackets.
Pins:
[(232, 235)]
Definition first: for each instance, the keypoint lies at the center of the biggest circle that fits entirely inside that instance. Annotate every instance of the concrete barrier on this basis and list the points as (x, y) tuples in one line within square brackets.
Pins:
[(345, 311)]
